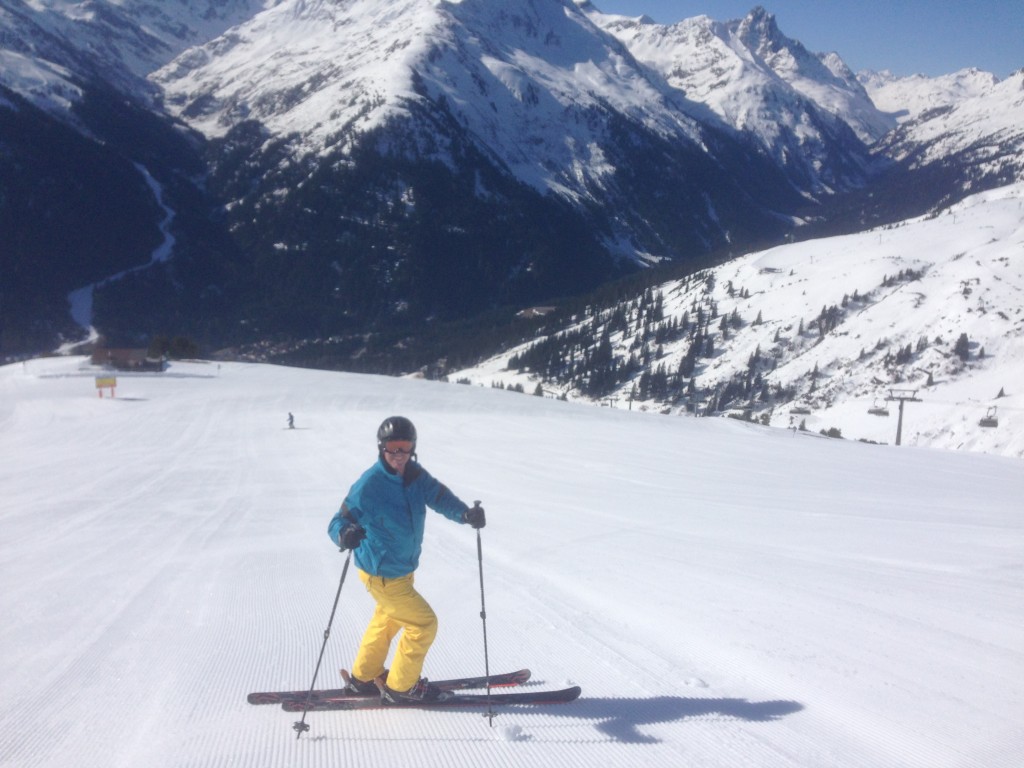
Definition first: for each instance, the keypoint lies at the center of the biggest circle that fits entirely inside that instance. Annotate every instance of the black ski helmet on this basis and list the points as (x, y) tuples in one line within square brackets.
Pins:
[(396, 428)]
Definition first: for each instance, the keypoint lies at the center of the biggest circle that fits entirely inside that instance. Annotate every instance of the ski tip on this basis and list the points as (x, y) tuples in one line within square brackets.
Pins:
[(516, 678)]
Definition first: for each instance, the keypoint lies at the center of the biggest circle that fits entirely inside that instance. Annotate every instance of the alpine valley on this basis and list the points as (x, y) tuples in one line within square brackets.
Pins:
[(337, 182)]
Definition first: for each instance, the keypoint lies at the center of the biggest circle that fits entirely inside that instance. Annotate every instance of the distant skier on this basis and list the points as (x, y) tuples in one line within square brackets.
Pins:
[(291, 421), (382, 520)]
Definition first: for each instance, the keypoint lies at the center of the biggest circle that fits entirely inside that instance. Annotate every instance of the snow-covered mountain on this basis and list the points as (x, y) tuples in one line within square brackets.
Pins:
[(121, 43), (906, 98), (820, 335), (336, 166), (933, 140), (957, 135), (800, 107), (532, 86), (523, 78), (976, 137)]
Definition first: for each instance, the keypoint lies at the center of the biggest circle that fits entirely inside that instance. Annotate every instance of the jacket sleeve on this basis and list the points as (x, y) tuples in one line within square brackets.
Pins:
[(440, 499)]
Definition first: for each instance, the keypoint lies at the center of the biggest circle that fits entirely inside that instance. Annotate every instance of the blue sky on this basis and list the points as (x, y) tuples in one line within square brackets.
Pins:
[(908, 37)]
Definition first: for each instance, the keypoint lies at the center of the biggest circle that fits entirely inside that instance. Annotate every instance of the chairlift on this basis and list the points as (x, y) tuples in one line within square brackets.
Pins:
[(989, 419), (878, 410)]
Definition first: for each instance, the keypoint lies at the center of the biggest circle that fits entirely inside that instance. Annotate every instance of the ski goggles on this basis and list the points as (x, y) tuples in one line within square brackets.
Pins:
[(399, 447)]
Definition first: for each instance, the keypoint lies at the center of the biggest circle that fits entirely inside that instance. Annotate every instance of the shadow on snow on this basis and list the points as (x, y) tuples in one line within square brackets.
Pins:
[(620, 719)]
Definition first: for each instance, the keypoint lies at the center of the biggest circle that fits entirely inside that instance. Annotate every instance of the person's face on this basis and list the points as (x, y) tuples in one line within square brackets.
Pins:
[(397, 453)]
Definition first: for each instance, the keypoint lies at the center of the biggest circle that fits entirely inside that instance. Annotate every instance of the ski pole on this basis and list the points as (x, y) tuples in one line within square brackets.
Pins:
[(483, 617), (300, 725)]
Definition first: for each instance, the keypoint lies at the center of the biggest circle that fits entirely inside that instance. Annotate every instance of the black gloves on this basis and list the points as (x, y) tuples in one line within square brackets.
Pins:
[(351, 536), (475, 516)]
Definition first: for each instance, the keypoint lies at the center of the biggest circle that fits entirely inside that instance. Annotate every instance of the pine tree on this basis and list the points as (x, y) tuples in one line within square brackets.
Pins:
[(962, 348)]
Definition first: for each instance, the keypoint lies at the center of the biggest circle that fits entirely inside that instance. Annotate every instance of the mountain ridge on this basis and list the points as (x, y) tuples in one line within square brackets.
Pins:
[(339, 167)]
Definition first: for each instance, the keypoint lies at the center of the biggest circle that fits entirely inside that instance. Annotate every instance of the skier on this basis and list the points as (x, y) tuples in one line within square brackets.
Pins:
[(382, 520), (291, 421)]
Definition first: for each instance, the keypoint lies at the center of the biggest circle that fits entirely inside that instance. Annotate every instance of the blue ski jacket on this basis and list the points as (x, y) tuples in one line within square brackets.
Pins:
[(393, 510)]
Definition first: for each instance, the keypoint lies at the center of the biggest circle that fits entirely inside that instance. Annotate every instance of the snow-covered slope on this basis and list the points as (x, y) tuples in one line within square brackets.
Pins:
[(726, 595), (120, 42), (49, 86), (906, 98), (832, 326), (984, 130), (307, 68)]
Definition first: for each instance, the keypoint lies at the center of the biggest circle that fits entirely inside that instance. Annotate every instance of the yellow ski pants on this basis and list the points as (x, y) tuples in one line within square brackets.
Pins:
[(400, 608)]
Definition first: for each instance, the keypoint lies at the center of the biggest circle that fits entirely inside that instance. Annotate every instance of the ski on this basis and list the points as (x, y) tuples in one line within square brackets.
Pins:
[(449, 700), (454, 684)]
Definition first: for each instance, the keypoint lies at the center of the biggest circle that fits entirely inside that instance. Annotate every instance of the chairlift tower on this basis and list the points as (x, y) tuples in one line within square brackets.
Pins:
[(903, 395)]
